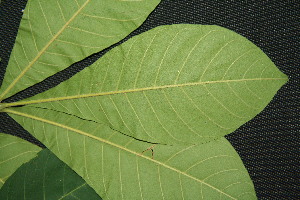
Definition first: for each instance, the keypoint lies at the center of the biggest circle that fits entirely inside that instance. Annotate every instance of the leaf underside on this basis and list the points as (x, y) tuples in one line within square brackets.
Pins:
[(117, 169), (46, 177), (184, 96), (171, 93), (13, 153), (173, 84), (55, 34)]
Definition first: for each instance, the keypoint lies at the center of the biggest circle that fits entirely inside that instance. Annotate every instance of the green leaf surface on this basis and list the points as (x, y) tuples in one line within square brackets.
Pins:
[(197, 89), (117, 168), (55, 34), (14, 152), (173, 92), (46, 177)]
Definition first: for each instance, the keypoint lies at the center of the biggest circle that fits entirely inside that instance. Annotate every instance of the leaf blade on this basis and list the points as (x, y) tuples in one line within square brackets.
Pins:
[(204, 82), (65, 37), (14, 152), (123, 154)]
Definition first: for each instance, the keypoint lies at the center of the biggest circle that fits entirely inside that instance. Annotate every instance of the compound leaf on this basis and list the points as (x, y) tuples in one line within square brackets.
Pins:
[(175, 90)]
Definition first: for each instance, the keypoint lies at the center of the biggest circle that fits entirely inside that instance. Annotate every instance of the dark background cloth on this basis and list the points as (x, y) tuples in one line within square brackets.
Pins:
[(268, 144)]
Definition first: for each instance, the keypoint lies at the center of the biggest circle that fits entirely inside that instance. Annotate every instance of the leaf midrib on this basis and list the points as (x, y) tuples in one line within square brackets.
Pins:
[(132, 91), (116, 146), (40, 53)]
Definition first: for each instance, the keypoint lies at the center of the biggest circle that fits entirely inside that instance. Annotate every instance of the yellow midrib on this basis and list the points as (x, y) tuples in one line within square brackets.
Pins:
[(132, 91), (116, 146), (42, 51)]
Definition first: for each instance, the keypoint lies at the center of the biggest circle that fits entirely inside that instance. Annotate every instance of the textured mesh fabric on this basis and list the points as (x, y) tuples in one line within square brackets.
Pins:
[(269, 144)]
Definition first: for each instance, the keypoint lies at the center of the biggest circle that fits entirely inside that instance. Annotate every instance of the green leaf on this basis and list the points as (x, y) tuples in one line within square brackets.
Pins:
[(197, 89), (55, 34), (116, 167), (14, 152), (46, 177), (174, 91)]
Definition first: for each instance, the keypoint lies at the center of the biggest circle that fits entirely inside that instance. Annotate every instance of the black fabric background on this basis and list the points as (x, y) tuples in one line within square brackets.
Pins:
[(268, 144)]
